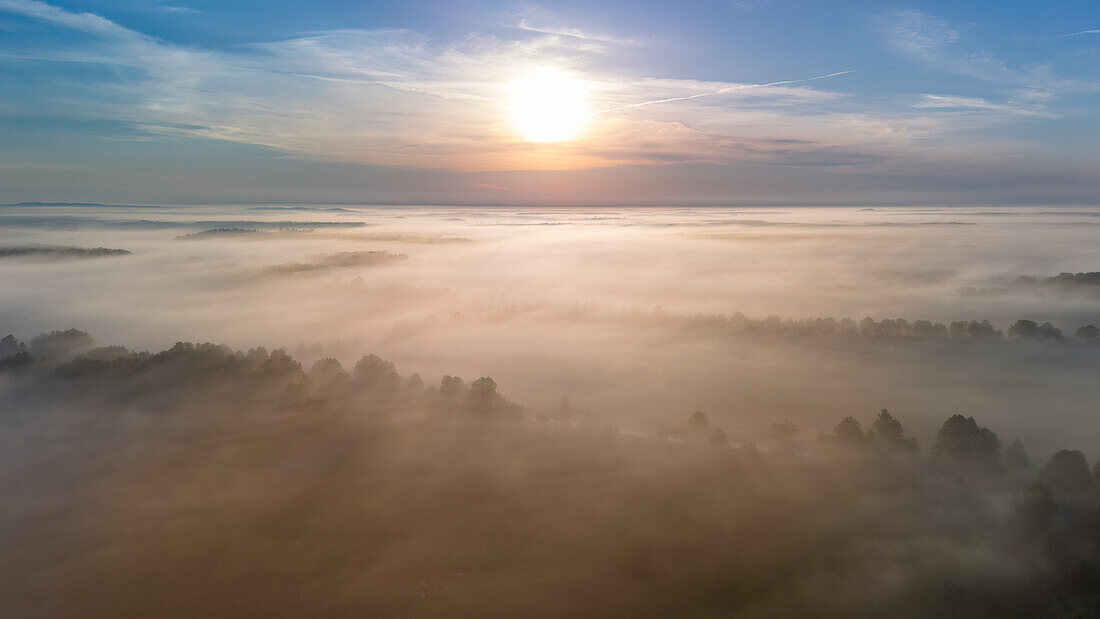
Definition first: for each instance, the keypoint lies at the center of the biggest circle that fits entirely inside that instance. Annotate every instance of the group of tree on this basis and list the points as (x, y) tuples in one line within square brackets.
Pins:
[(887, 329), (884, 431), (219, 376), (48, 348), (1056, 516), (696, 428), (1088, 283)]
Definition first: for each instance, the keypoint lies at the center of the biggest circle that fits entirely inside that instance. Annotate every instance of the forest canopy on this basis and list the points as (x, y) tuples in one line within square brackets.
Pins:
[(264, 487)]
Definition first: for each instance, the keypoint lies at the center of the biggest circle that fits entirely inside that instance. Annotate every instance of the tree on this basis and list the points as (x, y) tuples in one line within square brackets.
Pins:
[(698, 421), (327, 372), (18, 360), (376, 372), (280, 364), (1016, 457), (1068, 477), (1035, 510), (973, 330), (60, 346), (849, 431), (10, 346), (257, 356), (1029, 329), (450, 386), (963, 441), (889, 430), (783, 429), (484, 389), (1089, 333)]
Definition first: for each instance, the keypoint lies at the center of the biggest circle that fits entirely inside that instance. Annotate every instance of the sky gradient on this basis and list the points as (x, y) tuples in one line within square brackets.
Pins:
[(734, 102)]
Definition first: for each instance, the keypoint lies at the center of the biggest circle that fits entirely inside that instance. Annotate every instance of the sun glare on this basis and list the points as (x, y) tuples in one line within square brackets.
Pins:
[(549, 106)]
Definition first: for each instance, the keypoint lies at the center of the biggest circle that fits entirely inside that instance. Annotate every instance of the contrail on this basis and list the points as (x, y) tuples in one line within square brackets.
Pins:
[(721, 91), (1073, 34)]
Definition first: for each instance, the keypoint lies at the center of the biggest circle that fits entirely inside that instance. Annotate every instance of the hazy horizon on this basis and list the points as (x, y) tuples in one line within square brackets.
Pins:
[(549, 308)]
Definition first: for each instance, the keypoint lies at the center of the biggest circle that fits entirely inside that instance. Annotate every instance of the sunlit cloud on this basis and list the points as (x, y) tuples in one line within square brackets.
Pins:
[(398, 98)]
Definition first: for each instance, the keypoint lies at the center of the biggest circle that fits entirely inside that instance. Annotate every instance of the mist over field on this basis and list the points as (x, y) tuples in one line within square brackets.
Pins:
[(631, 313), (426, 309), (253, 410)]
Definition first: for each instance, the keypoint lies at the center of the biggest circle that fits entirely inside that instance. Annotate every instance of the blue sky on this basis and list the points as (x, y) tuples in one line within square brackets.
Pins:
[(195, 102)]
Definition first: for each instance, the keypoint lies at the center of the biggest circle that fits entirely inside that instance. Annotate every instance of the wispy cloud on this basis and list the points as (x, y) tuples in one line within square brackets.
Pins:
[(932, 101), (721, 91), (179, 9), (1077, 34), (573, 33), (940, 43), (918, 33), (397, 98)]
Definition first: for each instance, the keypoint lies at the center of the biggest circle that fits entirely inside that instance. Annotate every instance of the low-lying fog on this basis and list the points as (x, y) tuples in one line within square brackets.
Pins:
[(683, 415), (597, 304)]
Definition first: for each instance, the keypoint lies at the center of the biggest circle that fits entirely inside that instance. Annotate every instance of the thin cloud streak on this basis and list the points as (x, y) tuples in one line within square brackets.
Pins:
[(398, 99), (1075, 34), (721, 91)]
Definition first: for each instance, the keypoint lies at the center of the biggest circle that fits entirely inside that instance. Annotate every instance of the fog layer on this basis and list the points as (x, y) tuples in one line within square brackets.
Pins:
[(632, 313), (692, 423)]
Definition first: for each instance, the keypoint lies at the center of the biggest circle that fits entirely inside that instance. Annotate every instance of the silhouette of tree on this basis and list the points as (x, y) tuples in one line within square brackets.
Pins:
[(18, 360), (1016, 457), (327, 372), (973, 330), (1035, 510), (376, 372), (280, 364), (889, 430), (698, 421), (1089, 333), (1029, 329), (106, 353), (450, 386), (782, 430), (10, 346), (257, 356), (849, 431), (1068, 477), (484, 389), (60, 346), (962, 440)]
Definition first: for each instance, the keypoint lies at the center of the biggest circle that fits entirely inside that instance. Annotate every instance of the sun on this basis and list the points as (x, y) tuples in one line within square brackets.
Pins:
[(548, 105)]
